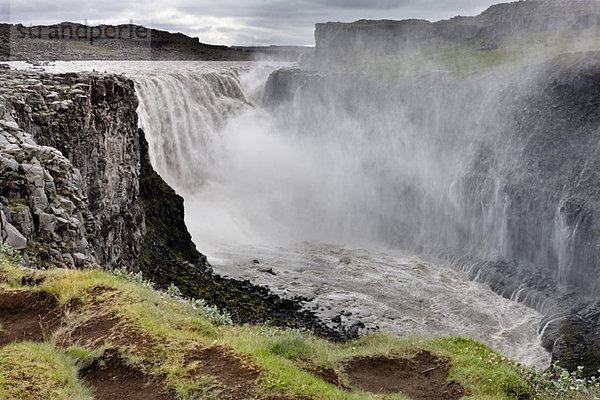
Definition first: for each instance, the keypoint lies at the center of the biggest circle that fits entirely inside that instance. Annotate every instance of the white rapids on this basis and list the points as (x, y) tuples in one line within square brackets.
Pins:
[(402, 294)]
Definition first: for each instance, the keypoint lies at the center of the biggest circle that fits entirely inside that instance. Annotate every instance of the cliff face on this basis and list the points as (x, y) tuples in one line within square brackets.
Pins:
[(504, 29), (73, 161)]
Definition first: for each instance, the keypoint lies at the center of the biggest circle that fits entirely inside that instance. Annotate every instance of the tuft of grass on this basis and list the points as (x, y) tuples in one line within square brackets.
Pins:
[(290, 347), (32, 371), (83, 357)]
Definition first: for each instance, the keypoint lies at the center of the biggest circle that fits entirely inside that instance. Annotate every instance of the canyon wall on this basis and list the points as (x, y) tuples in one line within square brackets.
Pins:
[(74, 173), (518, 26)]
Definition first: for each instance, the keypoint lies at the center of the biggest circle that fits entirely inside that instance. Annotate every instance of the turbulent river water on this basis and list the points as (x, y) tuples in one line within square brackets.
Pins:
[(295, 212)]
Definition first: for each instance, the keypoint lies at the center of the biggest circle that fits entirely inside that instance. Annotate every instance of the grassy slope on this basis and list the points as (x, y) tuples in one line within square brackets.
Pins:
[(171, 329), (39, 371)]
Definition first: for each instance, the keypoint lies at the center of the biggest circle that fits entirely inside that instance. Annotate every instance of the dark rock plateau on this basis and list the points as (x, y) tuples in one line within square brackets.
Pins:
[(69, 41)]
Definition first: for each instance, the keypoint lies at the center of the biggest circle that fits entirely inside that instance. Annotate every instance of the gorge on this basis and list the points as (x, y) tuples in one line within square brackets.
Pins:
[(346, 185)]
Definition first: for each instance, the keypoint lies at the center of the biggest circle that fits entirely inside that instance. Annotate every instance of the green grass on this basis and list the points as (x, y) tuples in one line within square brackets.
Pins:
[(167, 328), (39, 371)]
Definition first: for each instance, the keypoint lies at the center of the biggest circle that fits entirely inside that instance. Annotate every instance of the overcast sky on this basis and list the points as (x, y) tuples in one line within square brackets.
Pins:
[(234, 22)]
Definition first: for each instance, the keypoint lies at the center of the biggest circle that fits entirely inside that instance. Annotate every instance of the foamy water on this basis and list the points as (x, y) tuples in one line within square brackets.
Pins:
[(397, 293)]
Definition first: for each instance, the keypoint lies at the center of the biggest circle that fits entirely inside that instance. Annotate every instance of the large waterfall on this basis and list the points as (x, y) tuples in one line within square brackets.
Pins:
[(441, 169), (399, 205), (325, 192)]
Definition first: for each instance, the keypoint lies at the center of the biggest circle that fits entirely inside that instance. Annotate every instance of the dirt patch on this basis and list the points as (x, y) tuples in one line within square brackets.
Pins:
[(32, 280), (423, 377), (113, 379), (93, 333), (329, 375), (234, 375), (98, 325), (27, 316), (90, 325)]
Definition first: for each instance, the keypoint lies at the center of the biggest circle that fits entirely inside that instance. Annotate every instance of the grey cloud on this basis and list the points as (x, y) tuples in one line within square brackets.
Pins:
[(361, 4), (250, 21)]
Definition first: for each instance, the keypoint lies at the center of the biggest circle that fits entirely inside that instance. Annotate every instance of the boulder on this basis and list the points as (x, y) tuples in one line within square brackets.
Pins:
[(10, 234), (39, 200), (79, 259)]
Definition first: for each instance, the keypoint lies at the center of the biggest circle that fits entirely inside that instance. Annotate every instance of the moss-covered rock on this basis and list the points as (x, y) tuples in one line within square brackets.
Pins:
[(579, 345)]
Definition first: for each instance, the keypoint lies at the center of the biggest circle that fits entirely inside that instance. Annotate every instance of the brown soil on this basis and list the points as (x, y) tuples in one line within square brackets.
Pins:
[(92, 333), (34, 316), (95, 331), (27, 316), (32, 280), (235, 376), (423, 377), (103, 327), (329, 375), (113, 379)]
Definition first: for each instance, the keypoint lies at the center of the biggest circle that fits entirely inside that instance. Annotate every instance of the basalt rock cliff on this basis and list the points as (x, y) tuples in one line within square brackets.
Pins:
[(70, 166), (502, 29)]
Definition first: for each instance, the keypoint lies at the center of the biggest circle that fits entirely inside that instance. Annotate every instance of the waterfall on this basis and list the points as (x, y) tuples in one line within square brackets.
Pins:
[(342, 163), (182, 114), (495, 174), (436, 169), (475, 171)]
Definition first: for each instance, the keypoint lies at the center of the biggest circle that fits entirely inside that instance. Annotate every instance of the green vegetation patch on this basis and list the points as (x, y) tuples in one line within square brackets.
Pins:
[(196, 354), (31, 371)]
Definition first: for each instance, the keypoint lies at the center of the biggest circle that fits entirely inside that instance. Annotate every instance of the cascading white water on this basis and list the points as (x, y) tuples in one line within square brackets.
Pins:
[(197, 106)]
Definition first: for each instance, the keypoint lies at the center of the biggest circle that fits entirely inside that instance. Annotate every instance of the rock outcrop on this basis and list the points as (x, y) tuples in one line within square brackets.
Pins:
[(77, 186), (71, 168)]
